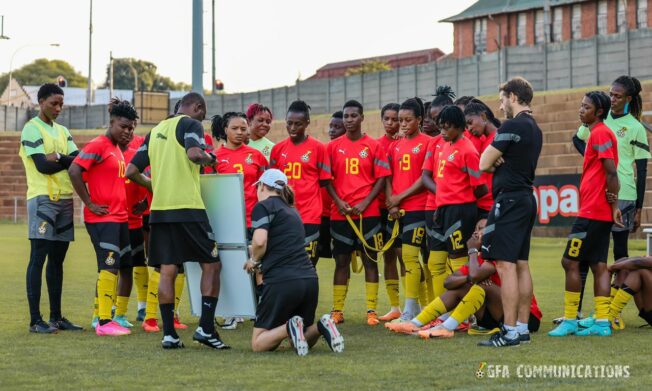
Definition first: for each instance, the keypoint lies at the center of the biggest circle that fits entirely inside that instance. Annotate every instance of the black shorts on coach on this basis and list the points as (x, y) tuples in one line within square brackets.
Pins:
[(345, 241), (509, 227), (453, 226), (137, 242), (281, 301), (588, 241), (176, 243), (111, 244)]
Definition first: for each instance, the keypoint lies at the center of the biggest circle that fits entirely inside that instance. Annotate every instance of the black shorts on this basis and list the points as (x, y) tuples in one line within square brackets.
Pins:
[(588, 241), (345, 240), (429, 216), (509, 227), (137, 242), (482, 214), (453, 226), (111, 243), (281, 301), (175, 243), (325, 238), (311, 241), (146, 223), (413, 229), (646, 316), (387, 227)]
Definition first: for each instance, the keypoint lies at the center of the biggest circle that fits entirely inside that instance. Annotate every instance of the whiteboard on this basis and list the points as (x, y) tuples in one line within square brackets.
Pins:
[(223, 197)]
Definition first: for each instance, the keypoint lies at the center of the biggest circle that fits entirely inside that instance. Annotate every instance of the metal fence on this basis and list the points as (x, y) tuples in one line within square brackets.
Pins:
[(577, 63)]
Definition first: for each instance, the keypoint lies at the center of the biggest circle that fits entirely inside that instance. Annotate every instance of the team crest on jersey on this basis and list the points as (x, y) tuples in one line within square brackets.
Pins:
[(110, 260), (417, 149), (214, 252), (364, 153), (265, 150), (451, 157), (306, 157), (43, 228), (248, 159), (621, 132)]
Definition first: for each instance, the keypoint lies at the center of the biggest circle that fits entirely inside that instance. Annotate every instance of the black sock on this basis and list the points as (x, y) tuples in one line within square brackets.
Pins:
[(207, 319), (38, 253), (54, 276), (584, 273), (104, 321), (167, 315)]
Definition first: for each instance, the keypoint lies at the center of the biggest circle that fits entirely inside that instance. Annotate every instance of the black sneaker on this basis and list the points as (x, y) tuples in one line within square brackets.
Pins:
[(524, 338), (328, 330), (211, 340), (499, 340), (40, 327), (170, 342), (294, 328), (64, 324)]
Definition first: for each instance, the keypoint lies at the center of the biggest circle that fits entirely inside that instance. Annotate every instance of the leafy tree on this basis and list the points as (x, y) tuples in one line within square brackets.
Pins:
[(44, 71), (369, 66), (146, 72)]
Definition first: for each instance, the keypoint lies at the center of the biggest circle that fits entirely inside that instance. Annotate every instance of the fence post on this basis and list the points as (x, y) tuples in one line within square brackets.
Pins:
[(627, 53), (436, 83), (416, 80), (362, 89), (477, 74), (345, 78), (545, 64), (397, 84), (242, 108), (457, 79), (328, 94), (286, 96), (380, 95), (570, 64), (596, 61)]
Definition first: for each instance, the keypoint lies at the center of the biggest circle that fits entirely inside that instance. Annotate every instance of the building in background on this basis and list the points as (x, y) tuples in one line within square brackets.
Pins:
[(489, 25)]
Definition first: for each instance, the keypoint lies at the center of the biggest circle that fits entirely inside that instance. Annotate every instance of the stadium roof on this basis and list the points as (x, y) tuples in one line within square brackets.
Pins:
[(495, 7)]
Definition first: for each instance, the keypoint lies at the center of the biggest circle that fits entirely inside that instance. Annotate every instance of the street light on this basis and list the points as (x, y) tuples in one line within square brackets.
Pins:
[(2, 28), (11, 62)]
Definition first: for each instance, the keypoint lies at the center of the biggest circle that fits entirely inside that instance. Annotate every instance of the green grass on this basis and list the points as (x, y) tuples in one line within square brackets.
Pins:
[(373, 359)]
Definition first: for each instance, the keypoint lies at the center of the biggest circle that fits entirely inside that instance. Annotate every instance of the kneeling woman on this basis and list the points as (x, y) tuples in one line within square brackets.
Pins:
[(291, 290)]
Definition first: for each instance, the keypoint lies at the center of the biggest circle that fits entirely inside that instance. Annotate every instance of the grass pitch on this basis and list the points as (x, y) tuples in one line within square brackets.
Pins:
[(373, 358)]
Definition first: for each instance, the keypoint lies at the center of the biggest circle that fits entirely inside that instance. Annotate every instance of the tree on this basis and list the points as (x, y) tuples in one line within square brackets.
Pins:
[(44, 71), (146, 73), (369, 66)]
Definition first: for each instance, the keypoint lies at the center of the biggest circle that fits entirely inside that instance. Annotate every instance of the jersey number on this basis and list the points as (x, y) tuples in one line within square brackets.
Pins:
[(311, 249), (456, 240), (417, 235), (352, 165), (574, 248), (404, 163), (238, 168), (440, 169), (121, 169), (293, 170), (378, 240)]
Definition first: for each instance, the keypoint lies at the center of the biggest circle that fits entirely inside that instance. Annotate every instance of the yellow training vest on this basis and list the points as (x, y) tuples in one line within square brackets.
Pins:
[(175, 179), (57, 185)]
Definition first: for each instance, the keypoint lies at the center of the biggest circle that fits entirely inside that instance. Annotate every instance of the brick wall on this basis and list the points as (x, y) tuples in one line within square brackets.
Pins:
[(463, 39), (589, 19), (529, 30), (566, 21), (612, 23), (631, 14)]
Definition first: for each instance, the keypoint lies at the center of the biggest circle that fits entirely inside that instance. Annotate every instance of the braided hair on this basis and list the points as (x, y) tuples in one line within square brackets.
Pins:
[(415, 105), (444, 96), (219, 123), (600, 101), (122, 108), (451, 115), (477, 107), (633, 89)]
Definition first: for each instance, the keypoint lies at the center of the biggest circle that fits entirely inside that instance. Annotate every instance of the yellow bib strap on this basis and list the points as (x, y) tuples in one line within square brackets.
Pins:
[(358, 232)]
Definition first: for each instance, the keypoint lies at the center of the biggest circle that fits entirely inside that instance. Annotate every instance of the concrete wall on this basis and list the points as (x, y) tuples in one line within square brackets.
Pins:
[(13, 118), (578, 63)]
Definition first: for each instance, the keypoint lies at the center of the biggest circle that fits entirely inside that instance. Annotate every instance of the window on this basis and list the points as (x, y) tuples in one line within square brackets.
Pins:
[(602, 17), (576, 21), (521, 31), (539, 33), (480, 35), (557, 16), (621, 15), (641, 14)]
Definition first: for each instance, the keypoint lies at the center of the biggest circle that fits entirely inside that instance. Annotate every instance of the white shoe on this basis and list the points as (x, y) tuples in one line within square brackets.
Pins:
[(229, 324)]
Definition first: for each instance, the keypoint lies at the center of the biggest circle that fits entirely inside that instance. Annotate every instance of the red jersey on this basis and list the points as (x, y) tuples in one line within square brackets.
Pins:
[(135, 193), (305, 165), (246, 161), (386, 143), (209, 148), (602, 144), (478, 142), (432, 156), (105, 178), (356, 166), (495, 278), (406, 157), (458, 173), (487, 200)]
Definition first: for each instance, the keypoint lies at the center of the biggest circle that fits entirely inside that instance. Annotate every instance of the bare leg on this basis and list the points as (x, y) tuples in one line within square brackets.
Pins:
[(125, 282), (166, 284), (263, 340), (524, 291), (509, 297), (210, 279), (601, 279), (370, 268)]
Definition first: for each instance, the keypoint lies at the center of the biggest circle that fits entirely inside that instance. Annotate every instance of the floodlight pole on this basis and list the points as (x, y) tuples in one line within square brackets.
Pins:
[(214, 89), (197, 46), (2, 27), (89, 93)]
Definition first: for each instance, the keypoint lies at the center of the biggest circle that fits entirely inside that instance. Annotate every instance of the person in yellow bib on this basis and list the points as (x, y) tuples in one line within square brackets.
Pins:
[(47, 149)]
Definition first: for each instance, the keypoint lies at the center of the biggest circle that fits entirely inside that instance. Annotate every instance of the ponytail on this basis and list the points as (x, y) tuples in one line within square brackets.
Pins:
[(632, 89)]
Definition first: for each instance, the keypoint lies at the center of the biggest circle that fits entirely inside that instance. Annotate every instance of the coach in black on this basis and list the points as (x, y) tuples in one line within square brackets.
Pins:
[(513, 156)]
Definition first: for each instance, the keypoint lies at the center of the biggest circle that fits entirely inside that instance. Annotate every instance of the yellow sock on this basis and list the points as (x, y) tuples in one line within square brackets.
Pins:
[(152, 295), (612, 293), (96, 308), (179, 284), (423, 294), (392, 292), (105, 293), (601, 307), (438, 271), (371, 292), (428, 279), (141, 276), (469, 305), (339, 296), (619, 302), (412, 271), (432, 311), (571, 304), (122, 302), (457, 263)]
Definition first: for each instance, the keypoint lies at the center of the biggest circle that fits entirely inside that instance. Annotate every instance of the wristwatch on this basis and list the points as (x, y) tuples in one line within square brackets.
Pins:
[(473, 251)]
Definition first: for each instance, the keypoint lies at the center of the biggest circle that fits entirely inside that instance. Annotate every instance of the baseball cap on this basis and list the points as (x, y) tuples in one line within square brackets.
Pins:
[(271, 177)]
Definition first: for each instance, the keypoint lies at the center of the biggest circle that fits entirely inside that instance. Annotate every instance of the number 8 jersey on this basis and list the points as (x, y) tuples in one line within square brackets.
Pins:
[(355, 167)]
